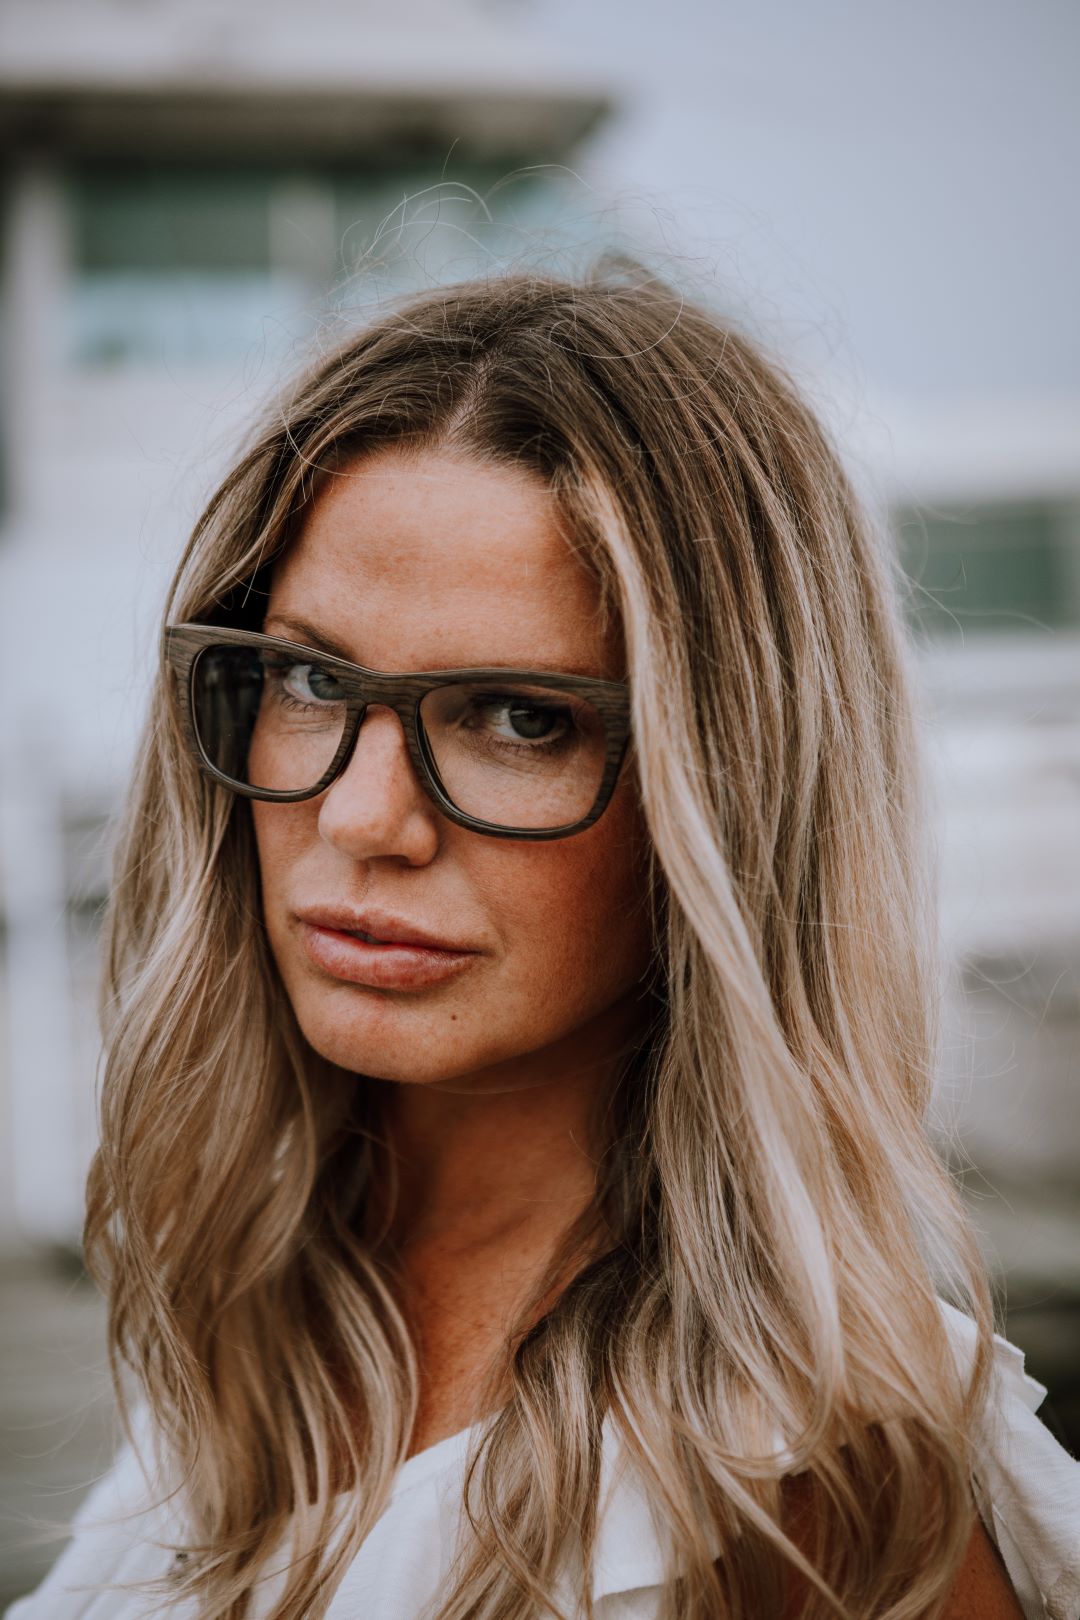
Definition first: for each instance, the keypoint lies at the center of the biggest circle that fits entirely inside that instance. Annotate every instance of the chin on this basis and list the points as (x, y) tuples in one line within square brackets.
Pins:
[(377, 1034)]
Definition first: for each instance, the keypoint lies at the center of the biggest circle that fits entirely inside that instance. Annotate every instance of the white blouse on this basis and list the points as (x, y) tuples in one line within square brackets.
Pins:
[(1027, 1491)]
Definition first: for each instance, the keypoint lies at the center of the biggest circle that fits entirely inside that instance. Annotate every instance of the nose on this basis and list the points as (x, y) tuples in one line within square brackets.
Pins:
[(377, 806)]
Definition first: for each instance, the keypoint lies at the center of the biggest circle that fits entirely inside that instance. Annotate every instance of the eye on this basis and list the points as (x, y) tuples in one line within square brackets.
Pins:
[(307, 683), (532, 722)]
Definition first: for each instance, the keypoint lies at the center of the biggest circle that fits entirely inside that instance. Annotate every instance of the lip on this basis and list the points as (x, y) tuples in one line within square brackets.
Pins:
[(404, 957), (384, 926)]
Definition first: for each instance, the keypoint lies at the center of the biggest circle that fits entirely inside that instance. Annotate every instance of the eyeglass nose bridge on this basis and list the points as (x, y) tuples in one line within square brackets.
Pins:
[(359, 707), (414, 747), (403, 697)]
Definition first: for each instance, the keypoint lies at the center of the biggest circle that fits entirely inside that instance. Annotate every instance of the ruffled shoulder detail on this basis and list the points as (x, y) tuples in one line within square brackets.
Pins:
[(1027, 1486)]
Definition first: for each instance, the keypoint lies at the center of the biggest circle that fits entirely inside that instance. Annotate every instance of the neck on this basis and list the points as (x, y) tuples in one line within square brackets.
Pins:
[(511, 1149)]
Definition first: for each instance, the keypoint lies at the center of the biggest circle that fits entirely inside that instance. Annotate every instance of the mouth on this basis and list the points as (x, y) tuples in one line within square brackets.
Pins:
[(375, 926), (361, 957)]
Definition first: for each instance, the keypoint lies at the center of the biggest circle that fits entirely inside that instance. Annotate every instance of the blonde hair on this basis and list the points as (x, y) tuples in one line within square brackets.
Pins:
[(782, 1226)]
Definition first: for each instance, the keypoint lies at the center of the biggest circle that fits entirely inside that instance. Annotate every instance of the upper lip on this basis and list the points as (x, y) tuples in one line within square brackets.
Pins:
[(381, 925)]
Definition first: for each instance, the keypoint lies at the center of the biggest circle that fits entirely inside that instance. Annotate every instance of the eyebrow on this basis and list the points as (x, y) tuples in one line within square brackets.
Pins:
[(313, 637)]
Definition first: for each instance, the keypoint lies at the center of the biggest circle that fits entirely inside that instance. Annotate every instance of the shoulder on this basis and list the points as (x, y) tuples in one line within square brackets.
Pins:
[(982, 1589), (1023, 1558)]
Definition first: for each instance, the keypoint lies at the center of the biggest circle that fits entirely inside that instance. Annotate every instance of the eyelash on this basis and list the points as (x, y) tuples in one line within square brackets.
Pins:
[(278, 667), (523, 745)]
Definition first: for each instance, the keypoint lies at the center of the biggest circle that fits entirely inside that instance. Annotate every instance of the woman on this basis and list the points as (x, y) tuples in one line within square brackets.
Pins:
[(513, 1195)]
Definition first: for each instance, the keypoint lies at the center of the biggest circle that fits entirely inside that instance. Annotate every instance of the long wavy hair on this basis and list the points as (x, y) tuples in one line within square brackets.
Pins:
[(781, 1229)]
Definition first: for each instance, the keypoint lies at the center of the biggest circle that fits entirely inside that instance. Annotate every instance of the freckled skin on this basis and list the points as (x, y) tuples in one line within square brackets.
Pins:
[(425, 563), (487, 1079)]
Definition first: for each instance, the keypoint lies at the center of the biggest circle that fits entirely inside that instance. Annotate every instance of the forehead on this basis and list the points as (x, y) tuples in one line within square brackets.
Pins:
[(426, 560)]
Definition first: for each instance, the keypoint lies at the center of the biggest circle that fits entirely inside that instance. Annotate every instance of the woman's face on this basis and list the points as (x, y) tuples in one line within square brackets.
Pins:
[(427, 561)]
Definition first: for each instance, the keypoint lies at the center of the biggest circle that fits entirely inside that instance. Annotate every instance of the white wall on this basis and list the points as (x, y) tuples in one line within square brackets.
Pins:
[(903, 175)]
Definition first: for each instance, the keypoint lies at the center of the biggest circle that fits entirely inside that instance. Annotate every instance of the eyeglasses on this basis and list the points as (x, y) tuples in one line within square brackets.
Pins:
[(513, 753)]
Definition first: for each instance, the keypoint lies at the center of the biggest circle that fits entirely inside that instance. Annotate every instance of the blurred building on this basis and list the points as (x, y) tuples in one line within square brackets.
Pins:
[(194, 194)]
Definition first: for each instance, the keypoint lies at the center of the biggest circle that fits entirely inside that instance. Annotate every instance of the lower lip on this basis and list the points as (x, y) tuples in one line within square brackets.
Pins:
[(381, 967)]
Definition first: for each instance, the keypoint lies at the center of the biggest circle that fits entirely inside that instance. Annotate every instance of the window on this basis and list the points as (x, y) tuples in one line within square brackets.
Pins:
[(209, 264), (989, 568), (172, 264)]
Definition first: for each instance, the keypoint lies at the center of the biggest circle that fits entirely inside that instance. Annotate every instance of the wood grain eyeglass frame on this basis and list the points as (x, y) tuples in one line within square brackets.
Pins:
[(403, 693)]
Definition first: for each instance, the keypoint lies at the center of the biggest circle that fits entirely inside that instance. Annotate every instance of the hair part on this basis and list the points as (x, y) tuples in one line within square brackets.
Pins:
[(782, 1227)]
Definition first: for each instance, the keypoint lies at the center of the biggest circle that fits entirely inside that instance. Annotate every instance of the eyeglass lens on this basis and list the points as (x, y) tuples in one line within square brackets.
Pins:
[(520, 755)]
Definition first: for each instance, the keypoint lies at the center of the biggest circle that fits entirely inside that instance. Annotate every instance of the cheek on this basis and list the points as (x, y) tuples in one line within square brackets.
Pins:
[(574, 914), (284, 838), (283, 834)]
